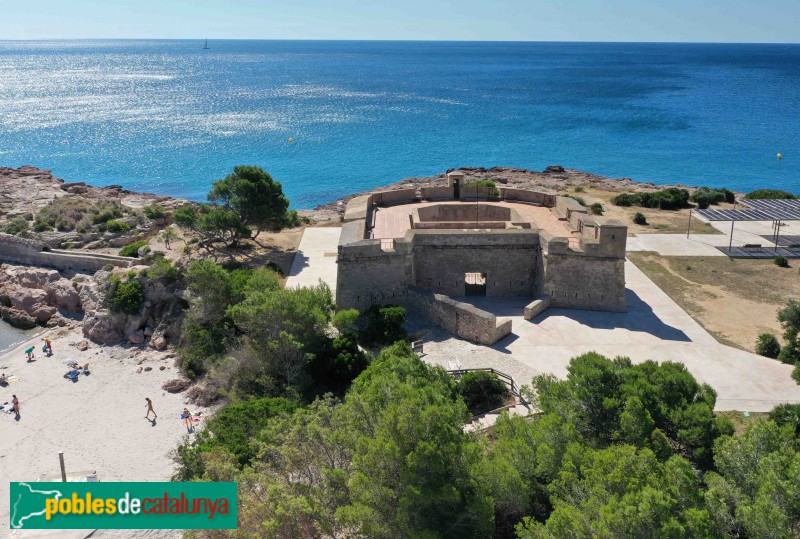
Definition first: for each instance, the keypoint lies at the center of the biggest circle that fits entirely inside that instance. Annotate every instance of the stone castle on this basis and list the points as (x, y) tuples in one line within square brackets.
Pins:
[(436, 250)]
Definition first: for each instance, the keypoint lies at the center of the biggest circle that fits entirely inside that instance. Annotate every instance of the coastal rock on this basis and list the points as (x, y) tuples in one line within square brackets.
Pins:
[(63, 294), (16, 318), (103, 326), (82, 345), (135, 337), (33, 302), (159, 342), (176, 385)]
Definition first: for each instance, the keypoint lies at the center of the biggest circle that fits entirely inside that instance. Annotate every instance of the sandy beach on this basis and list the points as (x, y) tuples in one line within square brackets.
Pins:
[(98, 421)]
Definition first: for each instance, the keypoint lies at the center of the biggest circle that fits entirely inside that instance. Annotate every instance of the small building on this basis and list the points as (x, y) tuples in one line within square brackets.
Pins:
[(431, 249)]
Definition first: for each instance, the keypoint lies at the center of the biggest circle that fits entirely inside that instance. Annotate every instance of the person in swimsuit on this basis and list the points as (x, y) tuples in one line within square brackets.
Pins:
[(150, 409)]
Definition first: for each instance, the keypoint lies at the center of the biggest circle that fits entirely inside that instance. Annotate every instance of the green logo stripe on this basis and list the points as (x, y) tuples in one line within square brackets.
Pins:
[(124, 506)]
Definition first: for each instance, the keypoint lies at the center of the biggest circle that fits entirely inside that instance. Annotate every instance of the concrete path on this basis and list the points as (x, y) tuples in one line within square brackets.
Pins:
[(316, 258), (745, 232), (654, 327)]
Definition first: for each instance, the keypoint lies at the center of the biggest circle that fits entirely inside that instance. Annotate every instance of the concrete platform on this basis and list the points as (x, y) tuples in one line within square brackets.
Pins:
[(315, 259), (654, 327)]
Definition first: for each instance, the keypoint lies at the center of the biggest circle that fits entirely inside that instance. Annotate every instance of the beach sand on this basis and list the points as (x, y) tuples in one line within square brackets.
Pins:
[(98, 421)]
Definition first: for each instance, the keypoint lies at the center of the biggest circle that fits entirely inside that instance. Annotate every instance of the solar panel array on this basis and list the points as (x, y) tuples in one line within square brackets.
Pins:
[(761, 210)]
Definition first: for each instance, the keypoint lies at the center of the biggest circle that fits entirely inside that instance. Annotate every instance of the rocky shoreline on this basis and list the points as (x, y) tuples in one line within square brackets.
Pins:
[(554, 178)]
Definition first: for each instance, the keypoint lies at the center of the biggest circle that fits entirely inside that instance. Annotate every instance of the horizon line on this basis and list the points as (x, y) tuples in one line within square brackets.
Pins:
[(642, 42)]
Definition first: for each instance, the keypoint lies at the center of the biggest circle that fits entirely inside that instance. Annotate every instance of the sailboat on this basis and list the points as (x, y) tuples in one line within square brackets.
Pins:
[(206, 45)]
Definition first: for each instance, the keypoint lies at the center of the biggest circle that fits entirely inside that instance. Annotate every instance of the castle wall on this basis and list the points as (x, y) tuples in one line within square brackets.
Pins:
[(461, 319), (368, 275), (508, 258)]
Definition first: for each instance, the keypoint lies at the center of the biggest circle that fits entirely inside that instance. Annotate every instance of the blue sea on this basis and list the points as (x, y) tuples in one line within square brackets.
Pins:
[(169, 117)]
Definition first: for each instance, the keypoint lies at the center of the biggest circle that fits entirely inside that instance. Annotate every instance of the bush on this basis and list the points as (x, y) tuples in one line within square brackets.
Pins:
[(625, 199), (483, 183), (767, 345), (579, 189), (596, 209), (338, 363), (117, 226), (132, 249), (383, 325), (17, 226), (200, 346), (127, 297), (787, 414), (640, 219), (345, 321), (154, 212), (704, 197), (185, 216), (161, 268), (482, 391), (666, 199), (781, 261), (769, 194)]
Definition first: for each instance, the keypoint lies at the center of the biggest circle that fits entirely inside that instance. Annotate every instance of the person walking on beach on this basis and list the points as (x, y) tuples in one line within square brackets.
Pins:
[(48, 346), (15, 404), (150, 409)]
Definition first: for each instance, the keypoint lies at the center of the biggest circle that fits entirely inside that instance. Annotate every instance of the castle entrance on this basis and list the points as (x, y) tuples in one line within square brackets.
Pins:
[(474, 284)]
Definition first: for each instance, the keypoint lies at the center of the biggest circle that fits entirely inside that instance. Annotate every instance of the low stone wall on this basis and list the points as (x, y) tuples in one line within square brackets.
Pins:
[(566, 207), (536, 307), (529, 197), (461, 319), (437, 193), (400, 196), (35, 253)]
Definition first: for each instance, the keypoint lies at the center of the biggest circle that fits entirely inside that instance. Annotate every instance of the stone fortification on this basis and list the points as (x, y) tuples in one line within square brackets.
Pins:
[(457, 250)]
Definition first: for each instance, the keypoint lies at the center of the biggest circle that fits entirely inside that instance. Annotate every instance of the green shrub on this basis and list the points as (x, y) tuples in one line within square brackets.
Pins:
[(200, 346), (346, 321), (482, 391), (781, 261), (185, 216), (383, 324), (769, 194), (127, 297), (640, 219), (625, 200), (292, 219), (596, 209), (787, 414), (17, 226), (579, 189), (132, 249), (483, 183), (109, 267), (704, 197), (672, 198), (338, 363), (154, 212), (161, 268), (767, 345), (117, 226), (730, 196)]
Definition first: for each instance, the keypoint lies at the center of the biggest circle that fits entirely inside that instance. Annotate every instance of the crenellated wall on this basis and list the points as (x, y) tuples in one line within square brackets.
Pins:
[(426, 269)]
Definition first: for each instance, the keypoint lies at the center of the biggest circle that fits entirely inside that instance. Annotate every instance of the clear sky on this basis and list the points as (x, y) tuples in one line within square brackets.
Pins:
[(511, 20)]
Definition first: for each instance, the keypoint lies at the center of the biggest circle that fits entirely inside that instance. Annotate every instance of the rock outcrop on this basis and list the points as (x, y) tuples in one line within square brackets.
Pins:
[(37, 296)]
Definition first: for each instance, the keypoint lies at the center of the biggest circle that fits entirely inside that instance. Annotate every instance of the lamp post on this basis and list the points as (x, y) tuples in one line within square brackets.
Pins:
[(476, 205)]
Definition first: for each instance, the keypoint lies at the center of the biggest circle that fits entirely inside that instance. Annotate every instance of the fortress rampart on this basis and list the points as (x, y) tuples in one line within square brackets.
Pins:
[(454, 250)]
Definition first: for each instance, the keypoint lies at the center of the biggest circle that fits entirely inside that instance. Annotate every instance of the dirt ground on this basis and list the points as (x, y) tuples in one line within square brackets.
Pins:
[(659, 221), (733, 299)]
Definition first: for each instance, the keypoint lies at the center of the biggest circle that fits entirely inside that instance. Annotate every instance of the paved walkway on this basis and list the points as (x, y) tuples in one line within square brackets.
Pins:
[(744, 232), (316, 258), (654, 327)]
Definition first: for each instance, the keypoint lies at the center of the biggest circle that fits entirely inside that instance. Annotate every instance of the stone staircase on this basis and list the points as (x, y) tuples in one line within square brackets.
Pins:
[(488, 419)]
